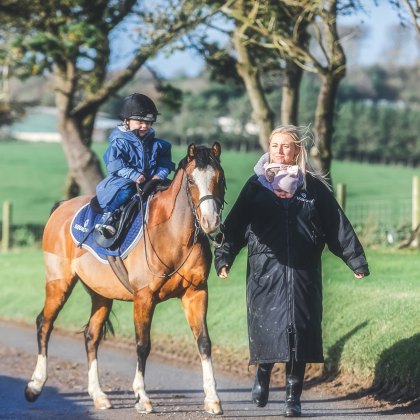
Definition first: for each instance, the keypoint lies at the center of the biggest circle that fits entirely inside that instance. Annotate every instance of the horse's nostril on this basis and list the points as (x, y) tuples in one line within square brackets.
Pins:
[(210, 224)]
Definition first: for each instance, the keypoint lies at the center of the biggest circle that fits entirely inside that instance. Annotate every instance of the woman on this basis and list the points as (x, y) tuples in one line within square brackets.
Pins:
[(286, 215)]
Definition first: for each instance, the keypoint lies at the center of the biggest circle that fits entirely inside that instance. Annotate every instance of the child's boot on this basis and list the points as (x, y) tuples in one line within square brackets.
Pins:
[(105, 227)]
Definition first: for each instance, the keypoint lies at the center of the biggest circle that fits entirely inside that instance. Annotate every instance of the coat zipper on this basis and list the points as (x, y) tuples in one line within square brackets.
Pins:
[(291, 321), (144, 157)]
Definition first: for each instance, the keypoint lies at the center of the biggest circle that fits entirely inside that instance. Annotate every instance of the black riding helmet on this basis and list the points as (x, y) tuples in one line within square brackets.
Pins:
[(138, 107)]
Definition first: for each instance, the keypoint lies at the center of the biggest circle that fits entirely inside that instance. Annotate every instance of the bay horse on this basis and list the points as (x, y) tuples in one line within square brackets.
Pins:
[(172, 259)]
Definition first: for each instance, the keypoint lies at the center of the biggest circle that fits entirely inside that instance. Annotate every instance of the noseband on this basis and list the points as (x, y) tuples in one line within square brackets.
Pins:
[(219, 202)]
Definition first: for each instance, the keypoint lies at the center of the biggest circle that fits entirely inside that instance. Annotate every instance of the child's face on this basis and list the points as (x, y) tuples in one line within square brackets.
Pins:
[(142, 127)]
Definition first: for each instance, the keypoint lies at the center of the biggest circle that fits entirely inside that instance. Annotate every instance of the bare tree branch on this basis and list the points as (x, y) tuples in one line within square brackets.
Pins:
[(165, 36), (414, 10)]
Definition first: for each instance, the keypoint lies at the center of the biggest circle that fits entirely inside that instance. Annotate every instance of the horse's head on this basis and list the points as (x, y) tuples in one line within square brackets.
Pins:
[(206, 184)]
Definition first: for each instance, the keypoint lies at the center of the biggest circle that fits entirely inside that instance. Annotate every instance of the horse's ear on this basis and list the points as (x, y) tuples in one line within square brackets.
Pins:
[(216, 149), (191, 152)]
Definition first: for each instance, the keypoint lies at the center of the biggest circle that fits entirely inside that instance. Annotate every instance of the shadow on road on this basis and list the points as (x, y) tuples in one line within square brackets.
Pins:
[(50, 404)]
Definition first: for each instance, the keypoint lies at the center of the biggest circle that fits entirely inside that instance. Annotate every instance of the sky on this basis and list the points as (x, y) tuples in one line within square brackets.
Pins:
[(380, 24)]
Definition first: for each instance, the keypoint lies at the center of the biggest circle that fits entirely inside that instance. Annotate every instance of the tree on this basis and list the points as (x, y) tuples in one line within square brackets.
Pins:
[(285, 26), (413, 7), (328, 61), (9, 110), (255, 64), (71, 39)]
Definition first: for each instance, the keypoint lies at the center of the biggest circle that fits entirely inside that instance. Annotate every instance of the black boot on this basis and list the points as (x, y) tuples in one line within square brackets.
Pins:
[(261, 386), (106, 225), (295, 372)]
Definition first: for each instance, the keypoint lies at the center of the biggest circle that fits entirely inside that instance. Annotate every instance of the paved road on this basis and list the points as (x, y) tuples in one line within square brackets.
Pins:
[(176, 391)]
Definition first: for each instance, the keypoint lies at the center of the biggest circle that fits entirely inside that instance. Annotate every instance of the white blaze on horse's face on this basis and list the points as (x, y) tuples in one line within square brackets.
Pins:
[(208, 209)]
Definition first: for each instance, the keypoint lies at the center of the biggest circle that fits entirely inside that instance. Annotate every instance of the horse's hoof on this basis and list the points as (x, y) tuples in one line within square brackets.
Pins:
[(102, 403), (30, 394), (144, 407), (213, 407)]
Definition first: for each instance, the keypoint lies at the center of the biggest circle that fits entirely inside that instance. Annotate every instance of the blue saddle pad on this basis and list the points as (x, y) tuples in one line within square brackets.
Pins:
[(84, 222)]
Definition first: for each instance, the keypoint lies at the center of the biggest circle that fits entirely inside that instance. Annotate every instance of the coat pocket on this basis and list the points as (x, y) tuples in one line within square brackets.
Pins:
[(264, 268)]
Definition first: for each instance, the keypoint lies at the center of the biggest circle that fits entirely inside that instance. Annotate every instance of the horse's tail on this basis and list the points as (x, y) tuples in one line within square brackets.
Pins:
[(107, 328), (56, 205)]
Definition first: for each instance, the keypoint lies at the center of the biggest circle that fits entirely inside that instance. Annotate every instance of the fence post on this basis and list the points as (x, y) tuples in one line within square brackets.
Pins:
[(341, 195), (7, 221), (415, 215)]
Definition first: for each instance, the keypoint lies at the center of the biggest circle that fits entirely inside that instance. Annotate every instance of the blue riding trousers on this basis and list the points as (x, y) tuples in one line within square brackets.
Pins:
[(121, 197)]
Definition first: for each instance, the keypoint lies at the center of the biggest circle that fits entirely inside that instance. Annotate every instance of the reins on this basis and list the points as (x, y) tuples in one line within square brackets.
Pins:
[(197, 228)]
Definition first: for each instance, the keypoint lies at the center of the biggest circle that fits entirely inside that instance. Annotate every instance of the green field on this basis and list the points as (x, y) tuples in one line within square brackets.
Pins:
[(371, 326), (32, 177)]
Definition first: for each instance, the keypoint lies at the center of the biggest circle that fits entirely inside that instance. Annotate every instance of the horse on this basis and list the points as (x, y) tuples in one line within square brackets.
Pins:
[(172, 259)]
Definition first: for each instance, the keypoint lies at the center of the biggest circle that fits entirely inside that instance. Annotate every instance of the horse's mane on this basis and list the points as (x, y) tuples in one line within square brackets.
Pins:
[(203, 158)]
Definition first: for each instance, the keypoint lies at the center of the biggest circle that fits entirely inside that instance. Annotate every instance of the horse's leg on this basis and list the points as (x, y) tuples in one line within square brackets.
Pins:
[(195, 307), (144, 306), (56, 295), (101, 308)]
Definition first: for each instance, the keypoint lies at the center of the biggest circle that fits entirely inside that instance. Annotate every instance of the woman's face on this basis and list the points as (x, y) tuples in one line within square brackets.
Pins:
[(283, 149)]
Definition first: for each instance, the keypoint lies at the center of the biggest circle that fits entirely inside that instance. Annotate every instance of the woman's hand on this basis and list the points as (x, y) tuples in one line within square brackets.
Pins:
[(359, 275), (223, 273)]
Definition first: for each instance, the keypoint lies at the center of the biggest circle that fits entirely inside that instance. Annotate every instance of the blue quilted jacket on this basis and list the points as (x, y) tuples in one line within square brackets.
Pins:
[(128, 156)]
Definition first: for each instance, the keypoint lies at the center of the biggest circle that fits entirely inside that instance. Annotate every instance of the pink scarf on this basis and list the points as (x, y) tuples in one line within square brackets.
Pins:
[(283, 177)]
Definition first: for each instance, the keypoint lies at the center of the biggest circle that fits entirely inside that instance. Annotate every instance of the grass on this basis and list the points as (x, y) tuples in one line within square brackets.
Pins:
[(32, 178), (367, 321), (370, 326)]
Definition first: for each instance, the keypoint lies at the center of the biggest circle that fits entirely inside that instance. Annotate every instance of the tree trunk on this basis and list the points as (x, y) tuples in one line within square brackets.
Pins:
[(290, 94), (330, 79), (84, 166), (262, 114), (321, 153), (71, 187)]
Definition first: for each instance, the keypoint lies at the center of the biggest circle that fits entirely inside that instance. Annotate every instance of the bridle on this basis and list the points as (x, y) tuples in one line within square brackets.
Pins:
[(197, 227)]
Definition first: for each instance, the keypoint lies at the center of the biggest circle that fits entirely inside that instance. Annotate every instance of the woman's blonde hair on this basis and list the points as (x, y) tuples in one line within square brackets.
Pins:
[(300, 136)]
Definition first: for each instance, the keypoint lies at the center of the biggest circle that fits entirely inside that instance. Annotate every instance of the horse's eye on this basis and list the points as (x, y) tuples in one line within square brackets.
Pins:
[(190, 181)]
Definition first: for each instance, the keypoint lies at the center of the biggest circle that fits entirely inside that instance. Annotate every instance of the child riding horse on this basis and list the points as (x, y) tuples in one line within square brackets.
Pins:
[(172, 260)]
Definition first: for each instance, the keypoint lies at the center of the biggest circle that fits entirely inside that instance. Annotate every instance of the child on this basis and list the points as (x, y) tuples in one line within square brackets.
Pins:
[(134, 156)]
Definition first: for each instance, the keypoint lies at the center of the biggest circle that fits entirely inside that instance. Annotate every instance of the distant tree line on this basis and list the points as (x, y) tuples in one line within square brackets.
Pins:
[(377, 132), (377, 120)]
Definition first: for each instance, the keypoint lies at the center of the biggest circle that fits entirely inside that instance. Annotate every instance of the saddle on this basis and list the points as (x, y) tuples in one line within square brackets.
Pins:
[(123, 218)]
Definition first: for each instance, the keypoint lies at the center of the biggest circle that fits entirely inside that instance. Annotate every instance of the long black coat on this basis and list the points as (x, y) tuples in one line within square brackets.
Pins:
[(285, 240)]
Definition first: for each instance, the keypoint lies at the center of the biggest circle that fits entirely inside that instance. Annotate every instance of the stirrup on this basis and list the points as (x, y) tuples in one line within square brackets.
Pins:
[(106, 230)]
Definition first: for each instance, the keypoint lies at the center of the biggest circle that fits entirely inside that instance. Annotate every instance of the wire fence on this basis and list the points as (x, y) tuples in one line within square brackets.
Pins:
[(381, 220)]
